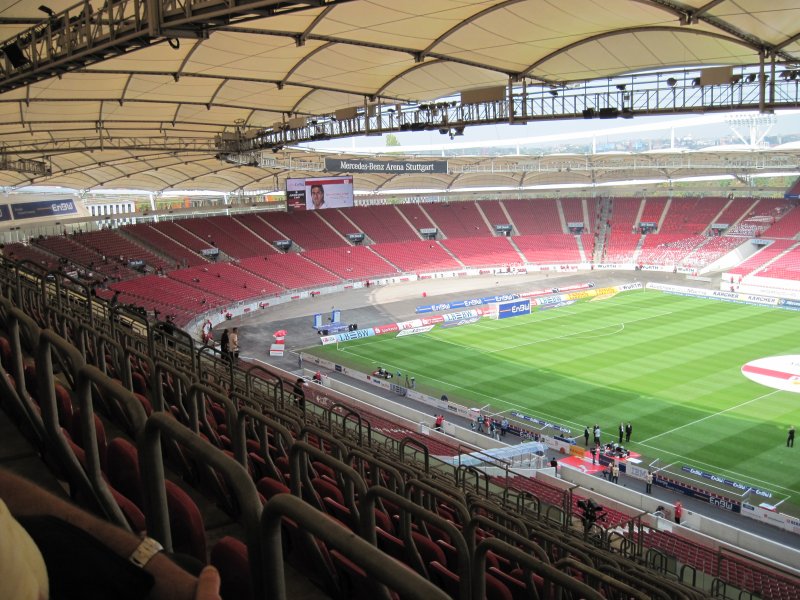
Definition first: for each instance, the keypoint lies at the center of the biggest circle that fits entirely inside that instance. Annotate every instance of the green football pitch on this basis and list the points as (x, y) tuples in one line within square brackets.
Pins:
[(670, 365)]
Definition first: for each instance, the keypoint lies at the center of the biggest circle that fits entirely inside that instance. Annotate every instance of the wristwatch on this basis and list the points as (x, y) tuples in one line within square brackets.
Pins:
[(145, 551)]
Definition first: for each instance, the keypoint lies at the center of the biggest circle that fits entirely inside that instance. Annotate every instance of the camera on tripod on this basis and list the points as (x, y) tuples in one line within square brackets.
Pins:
[(591, 511)]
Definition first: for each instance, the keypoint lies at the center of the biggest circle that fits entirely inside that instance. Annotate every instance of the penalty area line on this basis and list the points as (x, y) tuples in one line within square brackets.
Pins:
[(720, 412)]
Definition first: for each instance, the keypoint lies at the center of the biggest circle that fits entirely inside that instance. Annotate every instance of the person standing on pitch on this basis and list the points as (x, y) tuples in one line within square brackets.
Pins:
[(628, 432), (790, 439), (596, 435), (586, 436), (621, 432)]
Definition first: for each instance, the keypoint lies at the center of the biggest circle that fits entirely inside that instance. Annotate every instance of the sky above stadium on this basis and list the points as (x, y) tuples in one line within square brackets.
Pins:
[(710, 127)]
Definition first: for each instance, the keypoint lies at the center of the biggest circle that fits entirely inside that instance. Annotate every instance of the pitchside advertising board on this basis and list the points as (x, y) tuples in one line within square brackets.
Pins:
[(513, 309), (317, 193)]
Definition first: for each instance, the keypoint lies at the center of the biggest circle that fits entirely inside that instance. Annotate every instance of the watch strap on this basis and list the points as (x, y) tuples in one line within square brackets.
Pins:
[(145, 552)]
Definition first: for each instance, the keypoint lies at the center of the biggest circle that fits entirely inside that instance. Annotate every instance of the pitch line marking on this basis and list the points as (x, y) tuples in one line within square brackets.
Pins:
[(567, 335), (748, 478), (474, 393), (730, 408), (567, 421)]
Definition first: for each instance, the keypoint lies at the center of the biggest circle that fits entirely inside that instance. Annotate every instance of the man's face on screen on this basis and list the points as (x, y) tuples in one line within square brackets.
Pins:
[(317, 196)]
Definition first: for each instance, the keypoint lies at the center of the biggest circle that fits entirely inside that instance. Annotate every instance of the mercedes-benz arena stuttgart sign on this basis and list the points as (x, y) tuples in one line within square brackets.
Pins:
[(779, 372)]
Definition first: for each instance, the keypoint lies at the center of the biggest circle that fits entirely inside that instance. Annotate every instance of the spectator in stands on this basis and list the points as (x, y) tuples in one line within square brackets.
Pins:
[(225, 344), (317, 378), (628, 432), (300, 393), (678, 512), (233, 343), (48, 545), (439, 422), (790, 439), (317, 196)]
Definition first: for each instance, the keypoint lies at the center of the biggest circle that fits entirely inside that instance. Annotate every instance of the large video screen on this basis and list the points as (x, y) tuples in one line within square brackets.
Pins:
[(317, 193)]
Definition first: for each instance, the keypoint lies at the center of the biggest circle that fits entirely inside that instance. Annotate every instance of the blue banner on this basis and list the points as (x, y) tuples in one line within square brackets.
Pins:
[(514, 309), (354, 335), (465, 303), (5, 213), (729, 482), (44, 208), (541, 422), (700, 494)]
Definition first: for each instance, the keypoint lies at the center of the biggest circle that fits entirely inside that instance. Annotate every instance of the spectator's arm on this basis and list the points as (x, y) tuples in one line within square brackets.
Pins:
[(24, 498)]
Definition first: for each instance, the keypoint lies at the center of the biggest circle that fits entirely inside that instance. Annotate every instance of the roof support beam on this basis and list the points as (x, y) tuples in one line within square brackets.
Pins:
[(84, 35)]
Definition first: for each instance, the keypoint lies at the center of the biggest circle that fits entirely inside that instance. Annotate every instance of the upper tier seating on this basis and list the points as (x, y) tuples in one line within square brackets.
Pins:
[(493, 211), (165, 244), (238, 240), (588, 240), (760, 217), (173, 230), (382, 224), (229, 235), (304, 228), (735, 210), (761, 258), (592, 208), (112, 243), (17, 251), (415, 215), (292, 271), (340, 221), (354, 262), (227, 281), (534, 216), (170, 292), (788, 225), (485, 252), (420, 256), (548, 249), (261, 229), (652, 211), (794, 190), (180, 315), (624, 213), (458, 219), (573, 212), (691, 216), (76, 253)]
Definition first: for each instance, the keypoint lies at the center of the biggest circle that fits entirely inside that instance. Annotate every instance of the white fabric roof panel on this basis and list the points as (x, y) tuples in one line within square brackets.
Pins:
[(158, 101)]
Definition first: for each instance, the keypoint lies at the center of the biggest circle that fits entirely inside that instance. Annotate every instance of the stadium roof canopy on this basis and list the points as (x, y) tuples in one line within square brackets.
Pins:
[(116, 97)]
